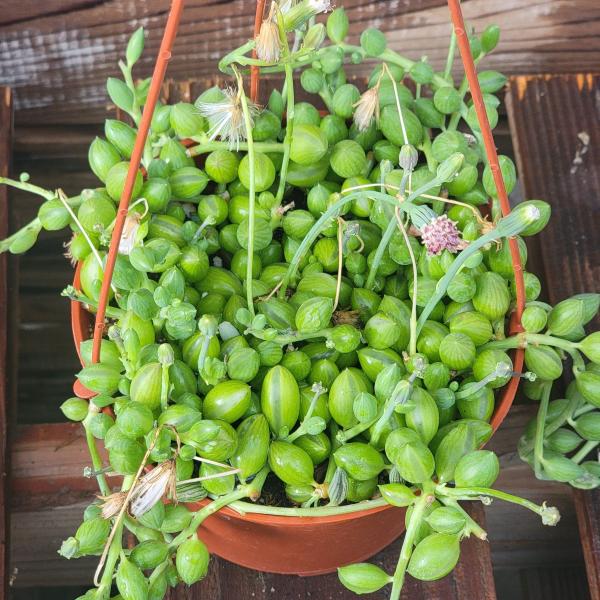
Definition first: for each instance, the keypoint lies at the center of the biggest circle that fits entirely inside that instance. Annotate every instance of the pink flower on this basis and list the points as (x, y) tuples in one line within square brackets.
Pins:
[(441, 234)]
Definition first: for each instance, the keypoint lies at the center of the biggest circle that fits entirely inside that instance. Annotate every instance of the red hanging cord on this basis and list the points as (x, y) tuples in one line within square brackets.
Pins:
[(164, 54), (510, 390), (488, 140), (254, 70)]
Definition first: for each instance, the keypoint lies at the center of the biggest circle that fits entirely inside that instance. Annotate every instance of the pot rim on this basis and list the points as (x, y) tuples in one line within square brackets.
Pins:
[(290, 520)]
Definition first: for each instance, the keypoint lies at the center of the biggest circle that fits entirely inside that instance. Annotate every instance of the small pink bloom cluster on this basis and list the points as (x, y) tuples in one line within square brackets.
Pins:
[(441, 234)]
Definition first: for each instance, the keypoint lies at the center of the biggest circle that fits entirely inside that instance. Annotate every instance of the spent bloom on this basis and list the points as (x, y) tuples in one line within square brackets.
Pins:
[(320, 6), (268, 44), (152, 487), (367, 108), (226, 117), (441, 234), (129, 235)]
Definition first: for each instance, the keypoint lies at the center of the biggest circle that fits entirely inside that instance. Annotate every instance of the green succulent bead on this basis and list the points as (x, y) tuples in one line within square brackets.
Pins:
[(264, 172), (473, 324), (309, 144), (348, 159), (486, 363), (457, 351), (492, 297), (291, 463)]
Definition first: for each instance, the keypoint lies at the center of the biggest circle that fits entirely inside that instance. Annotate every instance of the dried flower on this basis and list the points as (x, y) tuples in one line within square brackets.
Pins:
[(319, 6), (367, 107), (67, 253), (268, 44), (226, 117), (441, 234), (129, 235), (112, 504), (550, 515), (151, 488)]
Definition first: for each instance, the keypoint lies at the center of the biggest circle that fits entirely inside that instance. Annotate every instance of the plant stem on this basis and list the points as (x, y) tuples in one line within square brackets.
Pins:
[(321, 511), (249, 490), (451, 54), (521, 340), (383, 244), (413, 313), (251, 195), (96, 462), (584, 451), (538, 454), (477, 492), (112, 557), (291, 338), (472, 527), (28, 187), (112, 312), (290, 102), (424, 500), (205, 148)]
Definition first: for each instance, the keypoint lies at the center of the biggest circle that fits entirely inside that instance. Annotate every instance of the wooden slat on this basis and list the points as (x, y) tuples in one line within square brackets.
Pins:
[(57, 55), (587, 505), (556, 131), (6, 337)]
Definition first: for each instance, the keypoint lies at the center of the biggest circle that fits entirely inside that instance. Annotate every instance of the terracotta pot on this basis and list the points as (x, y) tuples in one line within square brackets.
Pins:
[(287, 544)]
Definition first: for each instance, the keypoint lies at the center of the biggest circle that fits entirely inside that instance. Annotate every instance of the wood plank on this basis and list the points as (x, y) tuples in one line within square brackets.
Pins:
[(57, 55), (556, 131), (588, 516), (7, 372)]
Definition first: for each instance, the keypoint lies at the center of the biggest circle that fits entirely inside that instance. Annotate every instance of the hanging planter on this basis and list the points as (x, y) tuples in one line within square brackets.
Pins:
[(311, 333)]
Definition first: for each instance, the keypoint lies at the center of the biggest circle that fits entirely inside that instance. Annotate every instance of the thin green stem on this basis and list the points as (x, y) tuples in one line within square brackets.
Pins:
[(290, 107), (416, 518), (249, 490), (251, 195), (413, 262), (379, 252), (83, 232), (291, 338), (584, 451), (398, 105), (112, 557), (112, 312), (136, 113), (472, 527), (538, 454), (28, 187), (477, 492), (96, 462), (320, 511), (451, 54), (206, 148)]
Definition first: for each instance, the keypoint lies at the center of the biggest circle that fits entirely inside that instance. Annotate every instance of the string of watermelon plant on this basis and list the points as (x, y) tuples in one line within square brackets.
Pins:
[(190, 346)]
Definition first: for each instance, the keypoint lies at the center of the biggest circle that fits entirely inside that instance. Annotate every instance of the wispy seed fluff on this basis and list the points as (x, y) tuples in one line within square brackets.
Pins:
[(367, 108), (268, 44), (320, 6), (226, 117)]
